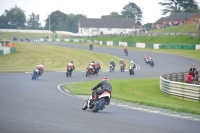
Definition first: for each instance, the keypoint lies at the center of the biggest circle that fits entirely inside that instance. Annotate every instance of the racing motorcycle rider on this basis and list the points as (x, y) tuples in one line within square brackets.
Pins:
[(150, 60), (97, 66), (40, 67), (122, 62), (112, 63), (105, 86), (92, 65), (70, 66), (146, 58), (91, 45), (133, 64), (125, 49)]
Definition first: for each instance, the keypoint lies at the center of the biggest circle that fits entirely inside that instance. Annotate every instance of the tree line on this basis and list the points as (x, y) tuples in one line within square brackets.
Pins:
[(15, 17)]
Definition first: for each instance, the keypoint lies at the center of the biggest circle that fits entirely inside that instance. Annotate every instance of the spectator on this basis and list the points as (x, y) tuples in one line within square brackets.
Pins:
[(192, 69), (188, 78), (196, 75)]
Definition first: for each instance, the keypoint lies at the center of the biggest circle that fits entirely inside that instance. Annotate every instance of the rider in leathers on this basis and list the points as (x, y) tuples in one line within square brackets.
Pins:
[(105, 86), (112, 63)]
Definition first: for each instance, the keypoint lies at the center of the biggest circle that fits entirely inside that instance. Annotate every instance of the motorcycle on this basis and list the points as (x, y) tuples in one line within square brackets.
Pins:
[(111, 68), (151, 63), (131, 70), (126, 52), (88, 71), (146, 60), (99, 104), (35, 74), (122, 67), (69, 71), (91, 47), (96, 70)]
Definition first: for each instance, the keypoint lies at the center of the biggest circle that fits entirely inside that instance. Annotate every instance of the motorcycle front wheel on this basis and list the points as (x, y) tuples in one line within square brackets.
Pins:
[(84, 106)]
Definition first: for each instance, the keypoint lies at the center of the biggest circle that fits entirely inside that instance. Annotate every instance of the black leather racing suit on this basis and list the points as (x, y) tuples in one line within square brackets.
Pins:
[(105, 86)]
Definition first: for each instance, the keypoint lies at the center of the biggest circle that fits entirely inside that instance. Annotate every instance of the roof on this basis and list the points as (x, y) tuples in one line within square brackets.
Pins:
[(180, 16), (160, 21), (107, 23)]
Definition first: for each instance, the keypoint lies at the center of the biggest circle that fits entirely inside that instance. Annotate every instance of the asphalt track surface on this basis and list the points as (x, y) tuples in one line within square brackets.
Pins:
[(38, 106)]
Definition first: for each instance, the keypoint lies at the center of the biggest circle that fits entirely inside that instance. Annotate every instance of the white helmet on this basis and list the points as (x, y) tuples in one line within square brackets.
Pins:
[(111, 59), (150, 58), (121, 59), (132, 62)]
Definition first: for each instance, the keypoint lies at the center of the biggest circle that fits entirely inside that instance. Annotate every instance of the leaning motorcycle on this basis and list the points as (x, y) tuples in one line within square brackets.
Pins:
[(99, 104), (91, 47), (121, 67), (35, 74), (69, 72), (146, 60), (111, 68), (126, 52), (131, 70), (96, 70), (151, 63), (88, 71)]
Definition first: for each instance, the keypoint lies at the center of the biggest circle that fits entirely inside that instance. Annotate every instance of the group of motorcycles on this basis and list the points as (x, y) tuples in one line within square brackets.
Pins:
[(92, 70), (122, 68)]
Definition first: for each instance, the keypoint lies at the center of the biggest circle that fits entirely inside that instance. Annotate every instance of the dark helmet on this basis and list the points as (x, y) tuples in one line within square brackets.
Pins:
[(92, 61), (71, 61), (105, 79)]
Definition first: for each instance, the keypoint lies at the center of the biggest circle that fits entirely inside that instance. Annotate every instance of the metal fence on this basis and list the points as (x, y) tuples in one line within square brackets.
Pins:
[(173, 84), (148, 34)]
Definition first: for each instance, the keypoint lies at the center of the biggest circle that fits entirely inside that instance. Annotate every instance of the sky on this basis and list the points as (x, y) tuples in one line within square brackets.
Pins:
[(91, 8)]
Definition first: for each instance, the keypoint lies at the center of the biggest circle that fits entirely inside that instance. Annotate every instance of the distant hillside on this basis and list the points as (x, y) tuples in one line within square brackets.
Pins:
[(182, 28)]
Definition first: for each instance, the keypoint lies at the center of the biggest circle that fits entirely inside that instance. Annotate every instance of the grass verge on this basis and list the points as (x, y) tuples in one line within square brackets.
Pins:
[(177, 39), (141, 91)]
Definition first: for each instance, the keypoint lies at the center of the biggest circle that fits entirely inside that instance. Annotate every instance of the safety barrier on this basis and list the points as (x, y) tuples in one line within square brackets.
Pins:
[(173, 84), (129, 44)]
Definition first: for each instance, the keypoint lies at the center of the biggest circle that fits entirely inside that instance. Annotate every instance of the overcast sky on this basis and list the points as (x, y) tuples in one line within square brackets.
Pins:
[(90, 8)]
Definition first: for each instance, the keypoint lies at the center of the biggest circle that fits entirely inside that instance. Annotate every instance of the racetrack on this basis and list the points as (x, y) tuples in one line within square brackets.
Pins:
[(37, 106)]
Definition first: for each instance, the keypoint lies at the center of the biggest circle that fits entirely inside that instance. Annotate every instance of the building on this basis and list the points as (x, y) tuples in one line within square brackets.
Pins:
[(177, 19), (158, 24), (94, 26)]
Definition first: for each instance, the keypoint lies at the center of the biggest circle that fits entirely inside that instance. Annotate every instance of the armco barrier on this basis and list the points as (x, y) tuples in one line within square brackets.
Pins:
[(129, 44), (172, 84)]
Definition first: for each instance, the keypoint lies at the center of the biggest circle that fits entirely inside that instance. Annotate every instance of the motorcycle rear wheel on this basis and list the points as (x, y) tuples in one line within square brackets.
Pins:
[(102, 103)]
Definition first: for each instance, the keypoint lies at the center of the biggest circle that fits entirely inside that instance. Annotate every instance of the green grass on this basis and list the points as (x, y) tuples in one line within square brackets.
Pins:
[(10, 35), (175, 29), (29, 55), (141, 91), (178, 39)]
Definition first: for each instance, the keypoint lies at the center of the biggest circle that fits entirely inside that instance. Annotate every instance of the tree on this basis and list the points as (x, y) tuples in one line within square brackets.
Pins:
[(33, 21), (15, 17), (191, 10), (63, 22), (112, 15), (147, 26), (131, 10), (177, 5)]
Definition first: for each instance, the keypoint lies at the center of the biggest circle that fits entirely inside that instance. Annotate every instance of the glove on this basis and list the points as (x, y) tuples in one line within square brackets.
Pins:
[(92, 89)]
